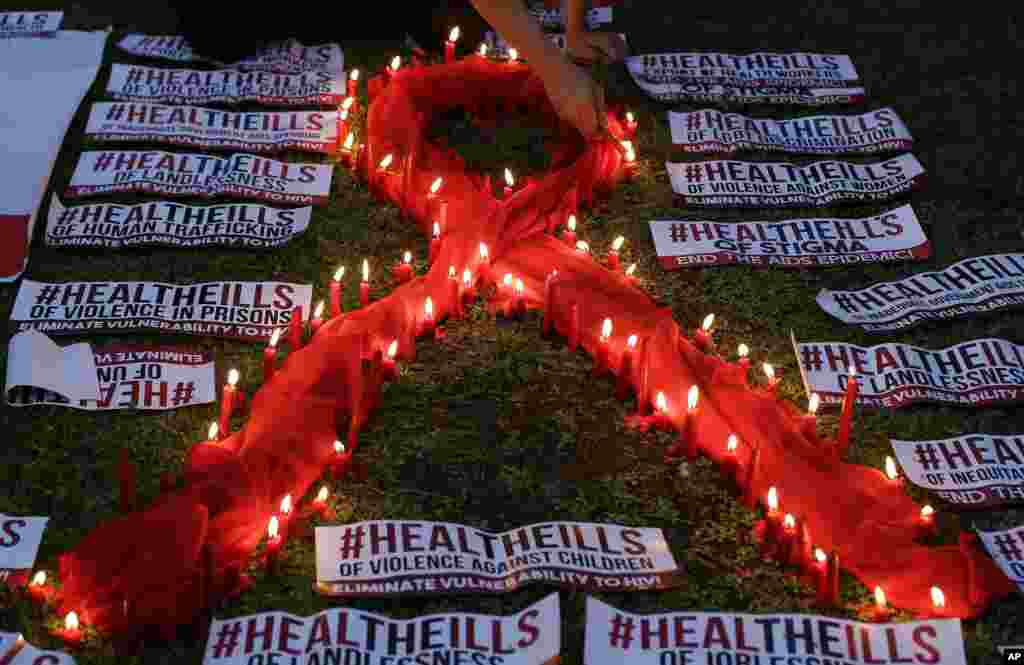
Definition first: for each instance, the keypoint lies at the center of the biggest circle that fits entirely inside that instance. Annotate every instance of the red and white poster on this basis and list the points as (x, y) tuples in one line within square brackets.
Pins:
[(597, 14), (614, 637), (289, 56), (242, 310), (977, 373), (248, 225), (387, 557), (342, 635), (260, 131), (20, 538), (30, 24), (1007, 549), (972, 286), (734, 184), (805, 70), (795, 243), (189, 174), (713, 131), (31, 655), (226, 86), (727, 94), (973, 469)]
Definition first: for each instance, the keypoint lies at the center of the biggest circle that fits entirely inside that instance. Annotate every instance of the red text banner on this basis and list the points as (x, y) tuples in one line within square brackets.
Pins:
[(807, 70), (30, 24), (19, 544), (289, 56), (1007, 549)]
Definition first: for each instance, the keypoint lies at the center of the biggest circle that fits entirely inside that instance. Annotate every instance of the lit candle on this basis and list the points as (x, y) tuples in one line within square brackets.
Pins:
[(286, 515), (227, 402), (833, 578), (335, 288), (352, 89), (622, 383), (273, 545), (364, 286), (38, 589), (772, 517), (938, 601), (320, 503), (582, 247), (342, 128), (809, 423), (881, 611), (601, 364), (468, 291), (613, 253), (392, 69), (819, 570), (802, 557), (510, 184), (660, 419), (891, 472), (743, 362), (437, 210), (318, 318), (628, 158), (449, 46), (341, 458), (295, 329), (348, 150), (927, 521), (690, 427), (702, 336), (485, 266), (390, 365), (787, 539), (630, 125), (435, 242), (773, 381), (213, 434), (453, 293), (513, 55), (630, 277), (71, 633), (383, 171), (403, 271), (520, 301), (428, 315), (270, 355), (569, 234), (846, 417), (482, 51), (731, 461)]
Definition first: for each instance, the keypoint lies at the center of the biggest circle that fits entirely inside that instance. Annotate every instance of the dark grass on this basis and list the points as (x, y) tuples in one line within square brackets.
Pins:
[(497, 427)]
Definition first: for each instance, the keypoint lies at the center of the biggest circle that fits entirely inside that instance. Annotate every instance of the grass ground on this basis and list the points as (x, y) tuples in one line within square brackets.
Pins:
[(497, 427)]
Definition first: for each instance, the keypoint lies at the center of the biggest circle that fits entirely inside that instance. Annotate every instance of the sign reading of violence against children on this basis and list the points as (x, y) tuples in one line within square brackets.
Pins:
[(227, 86), (313, 131), (713, 131), (972, 286), (187, 174), (342, 635), (19, 543), (724, 638), (244, 310), (973, 469), (1007, 549), (386, 557), (289, 56), (797, 243), (789, 69), (248, 225), (977, 373), (731, 184), (30, 24)]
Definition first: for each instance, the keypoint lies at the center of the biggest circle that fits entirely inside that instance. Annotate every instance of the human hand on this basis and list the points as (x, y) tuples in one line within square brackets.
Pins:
[(577, 98), (590, 47)]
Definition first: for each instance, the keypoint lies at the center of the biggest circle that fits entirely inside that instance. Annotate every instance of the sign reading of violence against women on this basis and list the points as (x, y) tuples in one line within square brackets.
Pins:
[(341, 635), (713, 131), (227, 86), (30, 24), (289, 56), (313, 131), (189, 174), (248, 225), (776, 69), (731, 184), (973, 469), (386, 557), (244, 310), (19, 543), (1007, 549), (614, 637), (977, 373), (972, 286), (796, 243)]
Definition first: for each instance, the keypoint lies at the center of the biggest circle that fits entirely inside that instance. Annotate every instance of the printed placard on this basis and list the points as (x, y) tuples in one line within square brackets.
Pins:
[(289, 56), (674, 638), (188, 174), (30, 24), (19, 541), (796, 243), (311, 131), (242, 310), (1007, 549), (806, 70), (386, 557), (977, 373), (727, 94), (733, 184), (248, 225), (713, 131), (8, 642), (343, 635), (552, 17), (972, 286), (973, 469), (226, 86), (32, 655)]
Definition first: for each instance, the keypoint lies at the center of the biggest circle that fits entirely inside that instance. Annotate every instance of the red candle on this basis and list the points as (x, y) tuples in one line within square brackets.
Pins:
[(809, 423), (453, 294), (510, 184), (320, 506), (377, 185), (773, 381), (360, 165), (227, 403), (348, 150), (295, 326), (428, 316), (702, 336), (569, 234), (285, 512), (938, 603), (449, 46), (39, 590), (833, 579), (468, 290), (341, 458), (519, 306), (926, 522), (803, 556), (582, 247), (270, 356), (390, 366), (482, 50), (352, 89), (601, 360), (629, 125), (392, 69), (435, 239), (548, 318), (787, 539), (820, 573), (486, 276), (71, 633), (881, 611), (364, 286), (773, 516), (743, 363), (317, 321), (690, 427), (342, 130), (274, 541), (574, 327), (731, 461), (631, 278), (846, 417), (335, 286), (660, 418), (513, 56), (403, 271), (629, 163), (892, 473), (213, 434), (622, 383), (613, 253)]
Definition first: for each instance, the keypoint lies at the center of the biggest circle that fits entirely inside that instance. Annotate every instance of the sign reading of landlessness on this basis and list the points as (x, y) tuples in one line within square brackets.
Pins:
[(807, 70), (289, 56)]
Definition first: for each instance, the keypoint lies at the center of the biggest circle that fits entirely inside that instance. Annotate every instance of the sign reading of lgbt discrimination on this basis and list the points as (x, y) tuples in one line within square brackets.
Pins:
[(313, 131), (731, 184), (227, 86), (671, 92), (188, 174), (796, 243), (387, 557), (1007, 549), (30, 24), (972, 286), (804, 70), (713, 131), (248, 225), (977, 373), (243, 310), (342, 635), (19, 543), (289, 56), (614, 637), (973, 469)]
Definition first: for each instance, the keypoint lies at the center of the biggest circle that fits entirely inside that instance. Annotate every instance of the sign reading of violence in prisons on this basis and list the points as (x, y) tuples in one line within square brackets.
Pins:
[(19, 544), (740, 94), (972, 286), (732, 184), (187, 174), (614, 637), (796, 243), (804, 70), (1007, 549), (973, 469), (30, 24), (311, 131), (342, 635), (385, 557), (713, 131), (289, 56), (244, 310)]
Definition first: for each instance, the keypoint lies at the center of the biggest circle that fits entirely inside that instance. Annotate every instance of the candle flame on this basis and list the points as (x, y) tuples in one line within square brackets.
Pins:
[(428, 308), (630, 270), (819, 555), (274, 338), (339, 447), (519, 287), (39, 579), (582, 246), (286, 504), (733, 443), (396, 62), (467, 278), (691, 398), (852, 370), (233, 377), (451, 272), (435, 186), (386, 162), (709, 320), (880, 598), (660, 403), (773, 499), (769, 372), (743, 350), (631, 342), (211, 434), (630, 155), (606, 329), (407, 257), (813, 403), (938, 598), (322, 495), (343, 114), (347, 103), (484, 255), (350, 140), (393, 349), (509, 180), (339, 273), (71, 621), (508, 279), (617, 243), (354, 75), (571, 223), (319, 311), (366, 270), (789, 522), (890, 468), (927, 511), (513, 54), (272, 527), (453, 36), (437, 230), (483, 49), (629, 117)]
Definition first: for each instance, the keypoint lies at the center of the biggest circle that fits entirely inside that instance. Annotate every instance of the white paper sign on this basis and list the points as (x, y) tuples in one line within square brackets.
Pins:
[(30, 655), (244, 310), (972, 286), (8, 643), (30, 24), (973, 469), (289, 56), (733, 184), (807, 70), (19, 541), (343, 635), (227, 86), (248, 225), (1007, 549), (713, 131), (796, 243), (311, 131), (741, 94), (188, 174), (33, 359), (976, 373), (614, 637), (552, 17), (386, 557)]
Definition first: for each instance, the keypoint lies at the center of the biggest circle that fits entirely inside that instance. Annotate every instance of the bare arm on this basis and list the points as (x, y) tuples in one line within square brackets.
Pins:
[(572, 15)]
